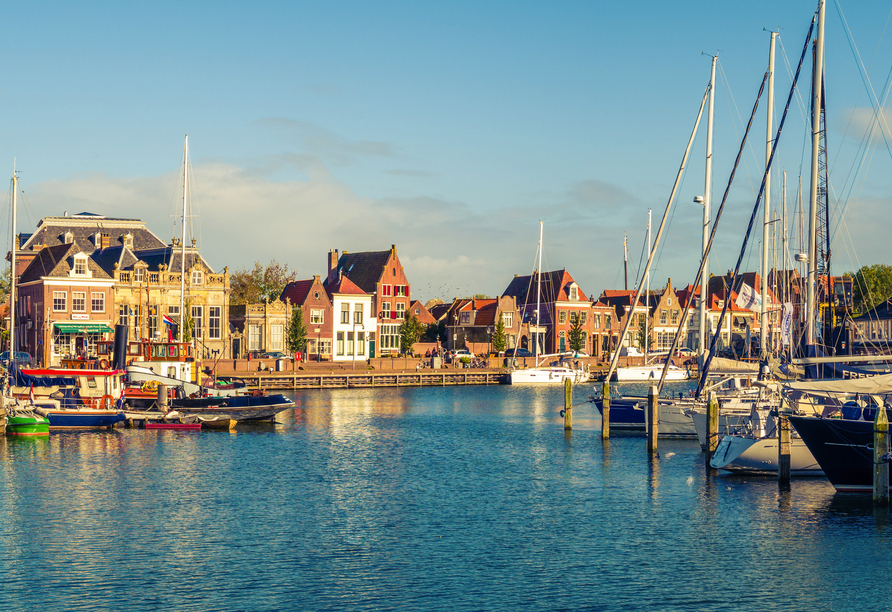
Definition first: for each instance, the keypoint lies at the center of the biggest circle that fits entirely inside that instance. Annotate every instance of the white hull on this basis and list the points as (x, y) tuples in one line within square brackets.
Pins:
[(645, 373), (730, 423), (546, 375), (759, 456)]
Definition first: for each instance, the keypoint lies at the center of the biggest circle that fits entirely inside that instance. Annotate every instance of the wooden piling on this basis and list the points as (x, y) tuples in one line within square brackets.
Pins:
[(162, 398), (712, 428), (605, 411), (653, 412), (568, 404), (783, 450), (880, 462)]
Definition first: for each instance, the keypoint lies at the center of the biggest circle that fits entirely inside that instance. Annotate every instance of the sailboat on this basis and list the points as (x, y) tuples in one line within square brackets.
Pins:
[(21, 418), (556, 373)]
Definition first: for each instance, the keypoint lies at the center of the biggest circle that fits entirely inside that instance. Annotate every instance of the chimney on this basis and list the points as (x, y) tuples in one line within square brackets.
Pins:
[(333, 266), (104, 241)]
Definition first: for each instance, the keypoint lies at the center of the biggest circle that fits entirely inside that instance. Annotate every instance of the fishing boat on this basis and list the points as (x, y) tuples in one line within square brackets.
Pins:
[(556, 372), (71, 399)]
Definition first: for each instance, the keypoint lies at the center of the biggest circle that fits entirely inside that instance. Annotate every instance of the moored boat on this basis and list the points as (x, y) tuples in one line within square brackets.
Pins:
[(26, 423)]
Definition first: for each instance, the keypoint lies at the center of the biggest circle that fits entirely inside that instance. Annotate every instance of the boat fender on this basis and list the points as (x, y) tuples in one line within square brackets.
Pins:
[(562, 413), (103, 364)]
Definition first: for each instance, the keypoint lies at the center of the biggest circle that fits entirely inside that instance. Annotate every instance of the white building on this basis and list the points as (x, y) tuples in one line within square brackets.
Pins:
[(354, 321)]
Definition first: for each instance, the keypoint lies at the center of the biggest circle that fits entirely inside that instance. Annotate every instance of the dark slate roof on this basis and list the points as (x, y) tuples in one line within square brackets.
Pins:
[(56, 262), (171, 257), (84, 226), (364, 269), (121, 255), (880, 312), (554, 288)]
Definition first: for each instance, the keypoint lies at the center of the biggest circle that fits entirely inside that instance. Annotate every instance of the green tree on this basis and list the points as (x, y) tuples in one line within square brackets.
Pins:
[(410, 331), (296, 332), (187, 322), (498, 338), (872, 285), (5, 284), (643, 335), (261, 284), (576, 337)]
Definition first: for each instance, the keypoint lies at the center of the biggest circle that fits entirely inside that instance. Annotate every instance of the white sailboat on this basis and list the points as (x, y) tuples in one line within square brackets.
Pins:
[(556, 373)]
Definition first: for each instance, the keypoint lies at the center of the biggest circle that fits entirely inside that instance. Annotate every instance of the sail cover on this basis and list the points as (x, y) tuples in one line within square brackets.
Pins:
[(880, 384)]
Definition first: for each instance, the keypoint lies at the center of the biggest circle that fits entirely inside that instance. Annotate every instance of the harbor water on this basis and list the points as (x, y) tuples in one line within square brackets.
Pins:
[(442, 498)]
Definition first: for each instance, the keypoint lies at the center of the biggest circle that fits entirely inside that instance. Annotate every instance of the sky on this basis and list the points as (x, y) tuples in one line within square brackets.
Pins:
[(447, 129)]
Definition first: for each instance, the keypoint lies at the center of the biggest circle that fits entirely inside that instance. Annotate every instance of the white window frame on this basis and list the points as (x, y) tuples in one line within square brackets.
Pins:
[(97, 301), (78, 297), (215, 319), (317, 316), (60, 301)]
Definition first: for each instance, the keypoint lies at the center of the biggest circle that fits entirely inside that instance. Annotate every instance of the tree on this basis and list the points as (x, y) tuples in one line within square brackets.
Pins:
[(296, 332), (187, 322), (410, 331), (498, 337), (576, 337), (872, 285), (262, 284), (643, 336)]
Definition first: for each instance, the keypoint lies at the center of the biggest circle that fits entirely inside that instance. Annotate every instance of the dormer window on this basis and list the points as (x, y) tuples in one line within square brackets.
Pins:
[(69, 237), (80, 267), (139, 275), (97, 240), (197, 277), (128, 240), (574, 292)]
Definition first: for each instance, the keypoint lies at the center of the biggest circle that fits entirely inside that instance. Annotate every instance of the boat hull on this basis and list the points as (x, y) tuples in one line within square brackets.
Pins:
[(627, 414), (744, 455), (27, 425), (843, 448), (650, 373), (82, 419), (545, 376)]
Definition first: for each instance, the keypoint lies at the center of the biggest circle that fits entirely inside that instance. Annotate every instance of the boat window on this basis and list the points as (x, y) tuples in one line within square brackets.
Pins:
[(91, 382), (133, 348), (159, 351), (172, 351)]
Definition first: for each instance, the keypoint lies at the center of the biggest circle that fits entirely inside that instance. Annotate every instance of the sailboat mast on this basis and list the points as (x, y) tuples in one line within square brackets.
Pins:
[(626, 261), (538, 292), (12, 277), (812, 263), (766, 205), (647, 287), (183, 242), (707, 216)]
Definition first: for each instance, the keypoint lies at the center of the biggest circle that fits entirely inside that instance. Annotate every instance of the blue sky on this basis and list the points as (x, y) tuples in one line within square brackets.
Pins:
[(448, 129)]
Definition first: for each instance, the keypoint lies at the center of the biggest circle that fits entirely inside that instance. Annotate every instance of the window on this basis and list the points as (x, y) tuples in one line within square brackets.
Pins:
[(153, 321), (139, 275), (214, 318), (174, 311), (562, 317), (97, 301), (597, 321), (360, 343), (78, 301), (349, 343), (198, 321), (80, 266), (357, 314), (607, 322), (340, 346), (573, 316), (345, 313), (385, 310), (136, 311), (124, 315), (323, 347), (574, 292), (466, 318), (276, 337), (390, 337), (400, 310), (254, 337), (508, 319), (584, 317), (675, 315), (400, 290), (197, 277), (386, 290), (317, 317), (663, 317), (60, 299)]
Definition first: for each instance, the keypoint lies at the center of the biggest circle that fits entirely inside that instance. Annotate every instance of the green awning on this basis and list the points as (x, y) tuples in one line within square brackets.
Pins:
[(83, 328)]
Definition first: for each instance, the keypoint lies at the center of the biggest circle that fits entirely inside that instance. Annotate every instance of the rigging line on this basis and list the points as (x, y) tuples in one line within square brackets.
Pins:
[(756, 208), (727, 88)]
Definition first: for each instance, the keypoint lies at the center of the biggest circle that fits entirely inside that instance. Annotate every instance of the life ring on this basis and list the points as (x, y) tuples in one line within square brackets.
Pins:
[(150, 386), (106, 402), (103, 364)]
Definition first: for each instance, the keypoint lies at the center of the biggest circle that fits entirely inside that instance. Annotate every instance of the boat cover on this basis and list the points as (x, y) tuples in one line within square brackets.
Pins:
[(879, 384)]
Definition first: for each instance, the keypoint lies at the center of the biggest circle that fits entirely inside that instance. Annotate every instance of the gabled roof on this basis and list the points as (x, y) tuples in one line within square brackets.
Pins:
[(881, 311), (344, 286), (56, 262), (121, 255), (423, 315), (299, 291), (171, 256), (555, 288), (364, 269)]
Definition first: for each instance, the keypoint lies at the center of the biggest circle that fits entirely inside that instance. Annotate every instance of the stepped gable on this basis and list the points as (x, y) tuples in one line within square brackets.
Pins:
[(56, 262), (364, 269), (82, 229)]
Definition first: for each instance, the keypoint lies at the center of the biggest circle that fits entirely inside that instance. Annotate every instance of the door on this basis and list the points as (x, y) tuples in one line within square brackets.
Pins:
[(371, 349)]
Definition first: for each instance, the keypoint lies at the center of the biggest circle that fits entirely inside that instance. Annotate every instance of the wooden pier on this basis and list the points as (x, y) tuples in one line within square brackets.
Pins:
[(351, 380)]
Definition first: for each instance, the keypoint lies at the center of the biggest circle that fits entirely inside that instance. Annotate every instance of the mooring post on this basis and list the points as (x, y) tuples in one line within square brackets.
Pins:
[(712, 428), (568, 404), (652, 420), (162, 398), (880, 461), (783, 450), (605, 411)]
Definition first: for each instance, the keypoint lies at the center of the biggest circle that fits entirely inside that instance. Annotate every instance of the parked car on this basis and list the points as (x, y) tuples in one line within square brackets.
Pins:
[(21, 357), (576, 354), (461, 353), (274, 355), (519, 352), (685, 352)]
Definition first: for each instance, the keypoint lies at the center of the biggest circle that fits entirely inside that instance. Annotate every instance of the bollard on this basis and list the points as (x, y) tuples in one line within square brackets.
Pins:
[(162, 398), (605, 411), (712, 428), (880, 461), (783, 450), (568, 404), (652, 418)]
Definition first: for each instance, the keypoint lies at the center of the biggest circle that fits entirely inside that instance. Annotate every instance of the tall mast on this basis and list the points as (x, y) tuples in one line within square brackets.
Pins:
[(647, 288), (766, 205), (12, 277), (707, 216), (625, 261), (183, 242), (538, 292), (813, 191)]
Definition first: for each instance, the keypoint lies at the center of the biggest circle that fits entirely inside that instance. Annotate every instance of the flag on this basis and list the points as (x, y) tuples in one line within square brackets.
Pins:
[(787, 324), (167, 320), (31, 397), (748, 299)]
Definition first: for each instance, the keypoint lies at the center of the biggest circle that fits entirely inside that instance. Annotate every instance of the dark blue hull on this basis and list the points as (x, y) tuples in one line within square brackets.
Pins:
[(843, 448), (83, 419)]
